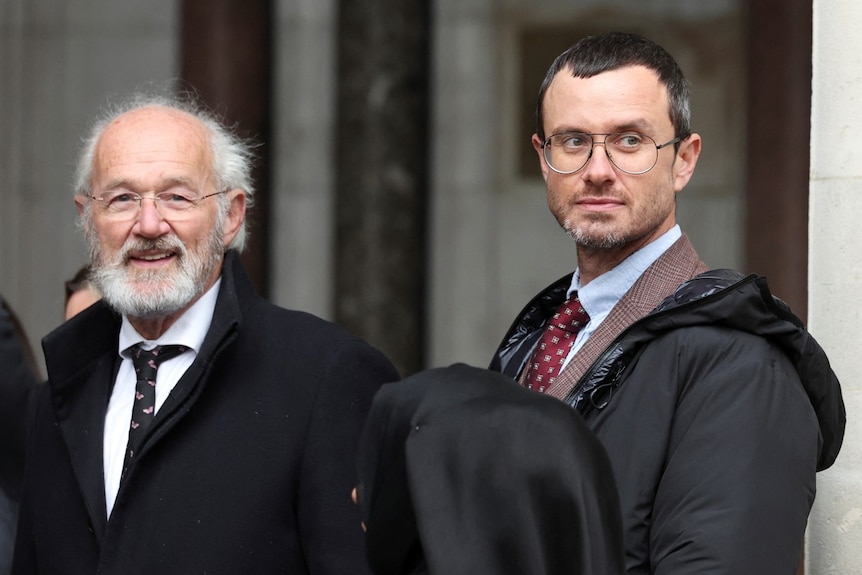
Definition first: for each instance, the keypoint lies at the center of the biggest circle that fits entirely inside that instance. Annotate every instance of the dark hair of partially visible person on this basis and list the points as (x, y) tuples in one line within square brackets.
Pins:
[(463, 472), (596, 54), (79, 281), (81, 292)]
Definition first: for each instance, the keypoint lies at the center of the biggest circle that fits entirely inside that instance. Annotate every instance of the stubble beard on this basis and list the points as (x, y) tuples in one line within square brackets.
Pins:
[(598, 232), (593, 232), (149, 294), (592, 240)]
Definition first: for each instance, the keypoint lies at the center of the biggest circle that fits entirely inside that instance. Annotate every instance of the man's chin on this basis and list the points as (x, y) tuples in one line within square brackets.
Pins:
[(143, 300), (142, 309), (598, 244), (596, 237)]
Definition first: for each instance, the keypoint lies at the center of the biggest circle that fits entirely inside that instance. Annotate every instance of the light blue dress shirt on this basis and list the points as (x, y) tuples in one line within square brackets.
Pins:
[(600, 296)]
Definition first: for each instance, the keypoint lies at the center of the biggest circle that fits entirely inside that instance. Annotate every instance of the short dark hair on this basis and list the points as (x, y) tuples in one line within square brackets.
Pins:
[(80, 281), (596, 54)]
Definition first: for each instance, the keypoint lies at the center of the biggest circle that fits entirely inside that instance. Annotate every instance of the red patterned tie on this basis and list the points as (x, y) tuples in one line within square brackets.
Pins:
[(554, 346)]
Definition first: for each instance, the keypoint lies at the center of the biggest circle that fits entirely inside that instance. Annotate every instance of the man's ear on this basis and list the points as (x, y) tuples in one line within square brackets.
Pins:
[(537, 145), (235, 215), (686, 160), (81, 203)]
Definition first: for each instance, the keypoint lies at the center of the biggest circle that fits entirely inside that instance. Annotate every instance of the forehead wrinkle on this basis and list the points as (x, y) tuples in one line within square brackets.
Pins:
[(639, 125), (636, 125), (166, 184), (112, 153)]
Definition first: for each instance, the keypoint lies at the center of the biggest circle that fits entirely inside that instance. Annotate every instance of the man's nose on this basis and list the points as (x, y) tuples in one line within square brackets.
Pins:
[(599, 167), (150, 220)]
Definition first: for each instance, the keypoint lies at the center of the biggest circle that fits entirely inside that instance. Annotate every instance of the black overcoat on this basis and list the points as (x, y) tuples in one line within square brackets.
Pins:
[(247, 467)]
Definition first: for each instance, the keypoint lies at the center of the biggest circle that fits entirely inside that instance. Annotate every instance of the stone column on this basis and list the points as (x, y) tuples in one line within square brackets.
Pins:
[(226, 55), (469, 229), (381, 151), (301, 273), (779, 99), (835, 271)]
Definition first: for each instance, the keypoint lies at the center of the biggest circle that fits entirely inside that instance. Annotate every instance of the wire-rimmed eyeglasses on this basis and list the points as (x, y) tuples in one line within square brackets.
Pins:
[(631, 152), (122, 204)]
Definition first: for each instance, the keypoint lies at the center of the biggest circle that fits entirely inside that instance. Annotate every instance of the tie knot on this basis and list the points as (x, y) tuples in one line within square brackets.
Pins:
[(570, 316), (149, 360)]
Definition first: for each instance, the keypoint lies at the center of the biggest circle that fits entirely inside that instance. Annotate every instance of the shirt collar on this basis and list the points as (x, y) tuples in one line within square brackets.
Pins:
[(600, 295), (189, 330)]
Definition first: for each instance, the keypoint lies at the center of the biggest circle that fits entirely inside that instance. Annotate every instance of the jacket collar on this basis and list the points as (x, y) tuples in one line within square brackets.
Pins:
[(678, 264)]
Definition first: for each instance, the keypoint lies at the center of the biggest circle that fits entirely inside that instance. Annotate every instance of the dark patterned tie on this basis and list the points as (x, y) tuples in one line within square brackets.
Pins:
[(144, 408), (555, 344)]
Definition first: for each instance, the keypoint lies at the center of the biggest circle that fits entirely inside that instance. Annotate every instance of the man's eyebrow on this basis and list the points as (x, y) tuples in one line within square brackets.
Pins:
[(637, 125), (116, 184), (166, 184)]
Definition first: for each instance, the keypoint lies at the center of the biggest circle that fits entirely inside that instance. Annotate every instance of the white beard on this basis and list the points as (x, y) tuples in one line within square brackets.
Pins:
[(157, 293)]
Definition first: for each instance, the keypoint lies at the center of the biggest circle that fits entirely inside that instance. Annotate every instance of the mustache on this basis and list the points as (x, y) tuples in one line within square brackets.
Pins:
[(600, 190), (163, 244)]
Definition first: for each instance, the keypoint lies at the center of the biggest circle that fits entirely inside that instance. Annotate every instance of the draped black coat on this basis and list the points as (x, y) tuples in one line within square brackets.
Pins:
[(463, 472)]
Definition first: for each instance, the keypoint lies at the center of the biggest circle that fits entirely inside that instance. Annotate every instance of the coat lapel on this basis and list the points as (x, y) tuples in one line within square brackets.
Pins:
[(81, 365), (677, 265)]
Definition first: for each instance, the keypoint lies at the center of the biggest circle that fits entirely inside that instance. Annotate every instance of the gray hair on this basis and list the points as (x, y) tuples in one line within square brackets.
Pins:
[(232, 156)]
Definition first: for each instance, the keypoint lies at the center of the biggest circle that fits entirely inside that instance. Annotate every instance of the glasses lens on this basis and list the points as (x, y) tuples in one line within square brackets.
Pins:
[(630, 152), (119, 203), (125, 205), (176, 202), (567, 153)]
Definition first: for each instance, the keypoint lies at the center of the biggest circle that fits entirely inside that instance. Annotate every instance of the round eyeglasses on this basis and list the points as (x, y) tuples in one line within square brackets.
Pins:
[(630, 152), (174, 205)]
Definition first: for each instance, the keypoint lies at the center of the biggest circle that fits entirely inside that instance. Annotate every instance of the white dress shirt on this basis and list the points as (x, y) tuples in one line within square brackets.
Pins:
[(600, 296), (189, 330)]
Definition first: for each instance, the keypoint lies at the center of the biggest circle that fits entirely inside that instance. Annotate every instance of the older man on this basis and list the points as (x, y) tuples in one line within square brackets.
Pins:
[(190, 426)]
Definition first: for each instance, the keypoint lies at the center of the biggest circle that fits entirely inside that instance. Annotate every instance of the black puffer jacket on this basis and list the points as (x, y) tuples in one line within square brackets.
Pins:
[(716, 410)]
